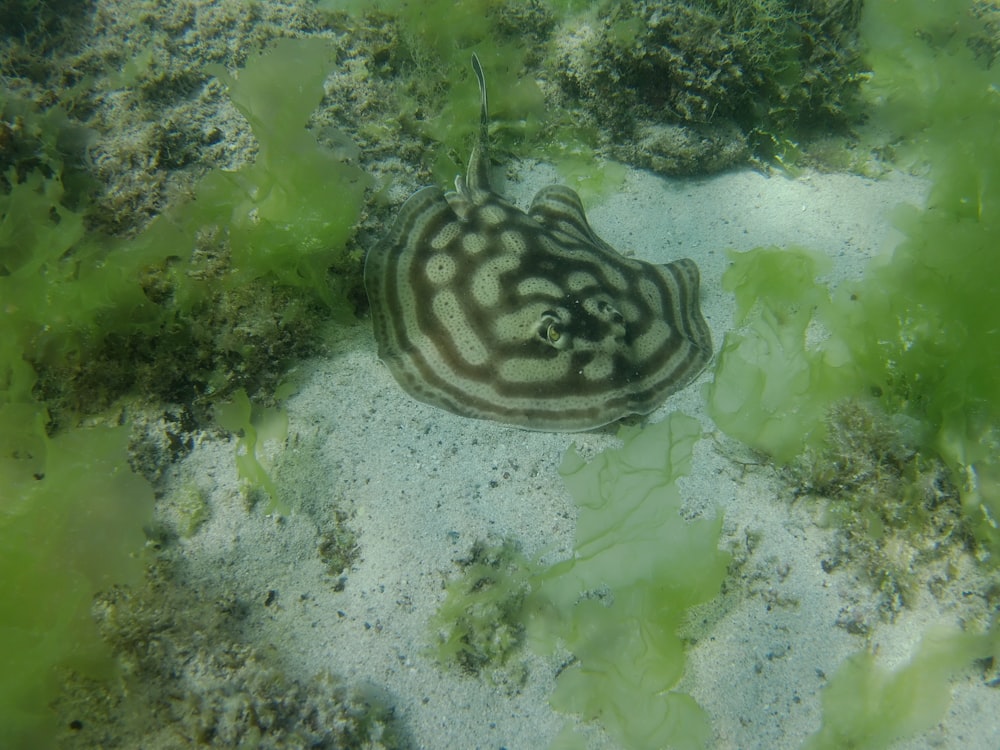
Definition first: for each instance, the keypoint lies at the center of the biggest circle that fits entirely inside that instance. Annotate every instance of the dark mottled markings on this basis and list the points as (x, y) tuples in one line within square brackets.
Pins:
[(528, 318)]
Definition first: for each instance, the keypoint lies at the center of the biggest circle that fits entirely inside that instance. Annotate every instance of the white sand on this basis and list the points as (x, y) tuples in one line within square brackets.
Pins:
[(423, 485)]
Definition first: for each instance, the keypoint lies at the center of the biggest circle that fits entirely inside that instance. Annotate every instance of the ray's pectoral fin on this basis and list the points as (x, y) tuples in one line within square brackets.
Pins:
[(687, 280)]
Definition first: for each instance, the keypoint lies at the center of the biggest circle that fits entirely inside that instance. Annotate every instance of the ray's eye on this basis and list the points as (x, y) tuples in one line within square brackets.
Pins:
[(552, 332)]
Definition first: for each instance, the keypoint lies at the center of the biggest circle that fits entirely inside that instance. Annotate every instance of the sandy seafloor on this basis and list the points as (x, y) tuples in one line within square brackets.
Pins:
[(423, 485)]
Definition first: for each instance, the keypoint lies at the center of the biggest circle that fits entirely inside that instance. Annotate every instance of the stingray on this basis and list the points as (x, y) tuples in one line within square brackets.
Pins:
[(527, 318)]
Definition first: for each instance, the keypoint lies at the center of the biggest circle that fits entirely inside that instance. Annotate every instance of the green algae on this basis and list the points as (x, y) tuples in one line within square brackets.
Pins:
[(77, 301), (918, 330), (253, 425), (72, 523), (282, 220), (866, 388), (616, 604), (867, 707)]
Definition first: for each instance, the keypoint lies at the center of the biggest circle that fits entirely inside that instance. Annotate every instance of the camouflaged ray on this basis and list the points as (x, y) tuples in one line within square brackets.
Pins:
[(527, 318)]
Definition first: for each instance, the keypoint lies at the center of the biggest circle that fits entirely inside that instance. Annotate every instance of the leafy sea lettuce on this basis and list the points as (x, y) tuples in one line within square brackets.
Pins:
[(616, 604), (919, 332), (918, 335)]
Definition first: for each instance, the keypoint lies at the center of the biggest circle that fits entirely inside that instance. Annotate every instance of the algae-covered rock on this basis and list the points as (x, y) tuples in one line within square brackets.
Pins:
[(188, 679), (747, 74)]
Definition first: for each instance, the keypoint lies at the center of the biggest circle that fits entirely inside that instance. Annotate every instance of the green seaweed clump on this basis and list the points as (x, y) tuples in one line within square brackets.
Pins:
[(288, 214), (868, 708), (918, 333), (897, 509), (71, 524), (772, 390), (689, 87), (253, 425), (635, 572), (216, 292), (617, 603), (820, 378), (71, 510), (481, 623), (86, 319)]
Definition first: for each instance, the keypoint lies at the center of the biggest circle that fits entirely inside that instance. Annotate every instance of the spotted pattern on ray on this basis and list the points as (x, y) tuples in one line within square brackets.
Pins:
[(528, 318)]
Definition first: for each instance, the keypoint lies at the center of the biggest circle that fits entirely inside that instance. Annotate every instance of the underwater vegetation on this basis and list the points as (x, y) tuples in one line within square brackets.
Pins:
[(679, 87), (219, 691), (221, 290), (87, 318), (71, 524), (917, 336), (481, 623), (867, 707), (254, 425), (897, 509), (695, 87), (614, 606), (176, 311), (884, 393)]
